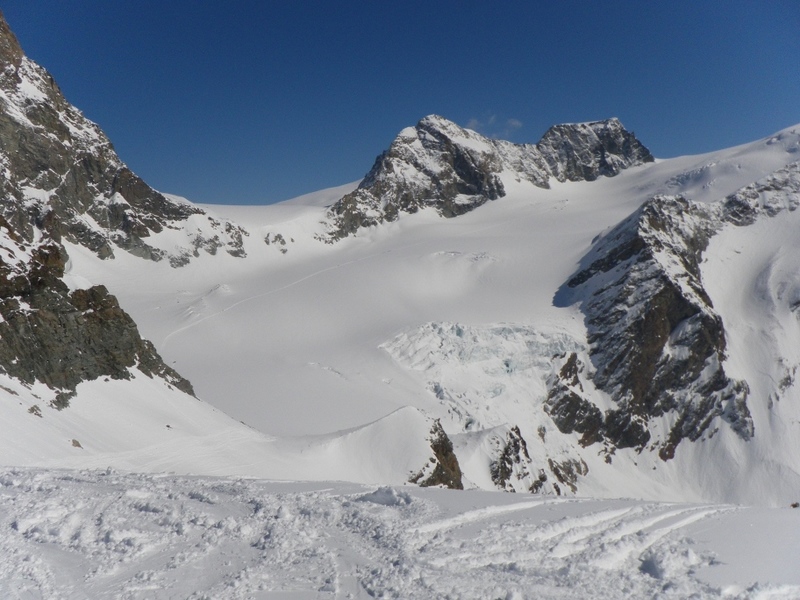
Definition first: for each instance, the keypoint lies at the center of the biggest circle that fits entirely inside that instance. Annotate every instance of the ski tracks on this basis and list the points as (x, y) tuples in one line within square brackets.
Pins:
[(619, 551), (89, 534)]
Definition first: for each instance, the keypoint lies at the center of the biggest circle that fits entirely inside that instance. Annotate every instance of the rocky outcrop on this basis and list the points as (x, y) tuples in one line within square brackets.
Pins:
[(60, 180), (60, 174), (768, 197), (657, 346), (443, 468), (59, 337), (512, 470), (567, 473), (454, 170), (568, 404)]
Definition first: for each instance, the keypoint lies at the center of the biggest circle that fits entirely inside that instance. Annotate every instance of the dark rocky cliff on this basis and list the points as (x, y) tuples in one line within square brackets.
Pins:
[(62, 337), (60, 180), (656, 345), (443, 468)]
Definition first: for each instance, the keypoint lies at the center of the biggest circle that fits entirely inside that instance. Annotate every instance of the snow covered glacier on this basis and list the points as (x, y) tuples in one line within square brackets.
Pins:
[(564, 320)]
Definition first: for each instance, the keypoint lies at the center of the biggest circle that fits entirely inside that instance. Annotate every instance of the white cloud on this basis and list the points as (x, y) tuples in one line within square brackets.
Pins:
[(494, 127)]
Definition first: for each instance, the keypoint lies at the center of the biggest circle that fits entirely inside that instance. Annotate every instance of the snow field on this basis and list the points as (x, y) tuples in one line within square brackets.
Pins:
[(106, 534), (327, 338), (340, 357)]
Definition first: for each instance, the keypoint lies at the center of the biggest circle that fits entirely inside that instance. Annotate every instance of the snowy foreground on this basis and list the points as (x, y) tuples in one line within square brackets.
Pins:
[(105, 534)]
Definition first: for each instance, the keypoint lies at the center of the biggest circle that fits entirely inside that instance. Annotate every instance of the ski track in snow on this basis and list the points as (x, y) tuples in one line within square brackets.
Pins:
[(95, 534)]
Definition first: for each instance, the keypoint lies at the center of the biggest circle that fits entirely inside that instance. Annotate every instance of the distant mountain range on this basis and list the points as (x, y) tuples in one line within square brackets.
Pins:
[(569, 317)]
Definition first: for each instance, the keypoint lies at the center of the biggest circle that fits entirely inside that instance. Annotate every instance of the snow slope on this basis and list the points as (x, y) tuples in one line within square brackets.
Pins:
[(356, 335), (303, 338), (105, 534), (143, 425), (339, 357)]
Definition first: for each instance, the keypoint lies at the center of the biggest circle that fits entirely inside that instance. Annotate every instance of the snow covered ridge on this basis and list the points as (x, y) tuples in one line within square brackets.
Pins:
[(62, 178), (657, 346), (104, 534), (454, 170)]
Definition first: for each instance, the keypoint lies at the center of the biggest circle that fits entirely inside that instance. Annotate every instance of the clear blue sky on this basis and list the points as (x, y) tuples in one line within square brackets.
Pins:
[(258, 101)]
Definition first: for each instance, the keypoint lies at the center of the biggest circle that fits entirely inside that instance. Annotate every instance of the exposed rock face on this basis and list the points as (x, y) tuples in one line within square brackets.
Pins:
[(443, 469), (775, 193), (586, 151), (60, 174), (569, 405), (656, 344), (567, 472), (61, 338), (454, 170), (511, 471), (60, 180)]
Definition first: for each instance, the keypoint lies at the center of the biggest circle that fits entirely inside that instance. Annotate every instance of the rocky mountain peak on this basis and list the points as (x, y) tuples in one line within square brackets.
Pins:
[(60, 176), (443, 128), (438, 164), (586, 151), (60, 180), (10, 50)]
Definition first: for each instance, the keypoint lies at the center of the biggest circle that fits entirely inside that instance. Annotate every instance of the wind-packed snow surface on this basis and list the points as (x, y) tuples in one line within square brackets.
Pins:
[(104, 534)]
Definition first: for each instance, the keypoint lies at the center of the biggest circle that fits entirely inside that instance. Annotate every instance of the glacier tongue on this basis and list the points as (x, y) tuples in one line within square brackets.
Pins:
[(481, 373), (492, 382)]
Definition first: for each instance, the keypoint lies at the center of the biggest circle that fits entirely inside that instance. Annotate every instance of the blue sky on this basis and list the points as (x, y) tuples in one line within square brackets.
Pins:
[(257, 101)]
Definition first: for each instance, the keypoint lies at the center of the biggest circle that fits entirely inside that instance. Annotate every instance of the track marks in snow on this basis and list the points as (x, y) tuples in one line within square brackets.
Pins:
[(602, 543), (480, 514), (104, 535), (621, 537)]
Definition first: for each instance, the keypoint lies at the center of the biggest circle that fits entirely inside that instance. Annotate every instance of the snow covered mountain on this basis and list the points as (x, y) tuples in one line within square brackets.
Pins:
[(439, 165), (569, 317), (63, 179)]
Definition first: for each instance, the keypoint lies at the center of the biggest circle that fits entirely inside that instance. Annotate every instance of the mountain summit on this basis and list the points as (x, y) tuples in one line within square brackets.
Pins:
[(441, 165)]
